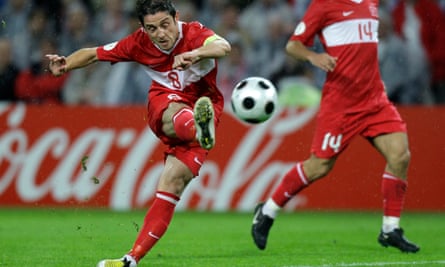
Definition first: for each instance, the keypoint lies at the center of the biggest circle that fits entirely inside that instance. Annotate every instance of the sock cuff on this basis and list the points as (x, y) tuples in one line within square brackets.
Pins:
[(169, 197), (388, 175), (301, 174), (184, 124), (181, 111)]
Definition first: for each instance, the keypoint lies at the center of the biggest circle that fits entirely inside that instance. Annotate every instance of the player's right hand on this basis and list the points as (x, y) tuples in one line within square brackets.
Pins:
[(57, 64), (324, 61)]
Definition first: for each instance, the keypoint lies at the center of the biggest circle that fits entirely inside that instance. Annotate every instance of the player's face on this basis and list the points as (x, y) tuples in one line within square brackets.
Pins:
[(162, 29)]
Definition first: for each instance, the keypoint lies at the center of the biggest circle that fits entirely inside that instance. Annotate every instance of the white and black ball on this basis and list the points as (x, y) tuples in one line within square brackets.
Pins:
[(254, 100)]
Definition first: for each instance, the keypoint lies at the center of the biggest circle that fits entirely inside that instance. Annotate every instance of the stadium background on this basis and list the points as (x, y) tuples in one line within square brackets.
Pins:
[(87, 145)]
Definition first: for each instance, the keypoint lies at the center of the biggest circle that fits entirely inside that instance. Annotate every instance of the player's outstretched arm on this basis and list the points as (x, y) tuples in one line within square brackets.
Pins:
[(59, 65), (214, 47), (321, 60)]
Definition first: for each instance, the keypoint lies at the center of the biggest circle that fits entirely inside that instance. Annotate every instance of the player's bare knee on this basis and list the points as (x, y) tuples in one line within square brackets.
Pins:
[(168, 129), (317, 168), (400, 160), (175, 184), (178, 187), (322, 171)]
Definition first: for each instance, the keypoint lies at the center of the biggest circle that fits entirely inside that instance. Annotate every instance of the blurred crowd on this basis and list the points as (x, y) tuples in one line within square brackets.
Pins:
[(411, 49)]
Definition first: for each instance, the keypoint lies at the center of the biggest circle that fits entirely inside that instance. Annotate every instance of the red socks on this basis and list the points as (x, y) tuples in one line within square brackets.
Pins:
[(184, 124), (393, 190), (293, 182), (156, 223)]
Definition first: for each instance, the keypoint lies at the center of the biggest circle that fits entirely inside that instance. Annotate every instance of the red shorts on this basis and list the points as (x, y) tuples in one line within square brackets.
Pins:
[(335, 131), (191, 154)]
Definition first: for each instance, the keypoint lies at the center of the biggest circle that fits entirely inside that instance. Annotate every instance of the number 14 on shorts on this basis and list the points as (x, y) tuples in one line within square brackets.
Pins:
[(331, 141)]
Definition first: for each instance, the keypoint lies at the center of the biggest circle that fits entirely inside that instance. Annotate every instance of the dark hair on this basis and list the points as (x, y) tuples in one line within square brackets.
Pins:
[(151, 7)]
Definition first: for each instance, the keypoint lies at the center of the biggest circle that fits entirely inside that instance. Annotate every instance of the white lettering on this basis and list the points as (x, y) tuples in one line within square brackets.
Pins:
[(127, 163), (333, 142)]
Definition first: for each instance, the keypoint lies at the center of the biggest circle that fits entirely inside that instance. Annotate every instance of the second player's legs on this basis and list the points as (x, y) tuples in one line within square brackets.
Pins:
[(394, 147)]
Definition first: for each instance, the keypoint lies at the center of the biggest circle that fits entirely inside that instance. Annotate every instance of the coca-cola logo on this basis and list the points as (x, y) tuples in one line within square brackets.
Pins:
[(69, 162)]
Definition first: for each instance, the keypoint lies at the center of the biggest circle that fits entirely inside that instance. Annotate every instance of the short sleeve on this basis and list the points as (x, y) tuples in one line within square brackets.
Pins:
[(310, 25), (119, 51)]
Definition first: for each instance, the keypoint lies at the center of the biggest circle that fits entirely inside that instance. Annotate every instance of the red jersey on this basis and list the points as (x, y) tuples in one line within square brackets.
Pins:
[(198, 80), (348, 31)]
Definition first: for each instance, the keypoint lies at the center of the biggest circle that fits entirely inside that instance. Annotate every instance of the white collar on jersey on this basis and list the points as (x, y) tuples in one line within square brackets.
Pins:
[(357, 1)]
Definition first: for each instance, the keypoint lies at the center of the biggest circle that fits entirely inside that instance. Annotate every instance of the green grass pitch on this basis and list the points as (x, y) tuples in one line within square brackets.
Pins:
[(81, 237)]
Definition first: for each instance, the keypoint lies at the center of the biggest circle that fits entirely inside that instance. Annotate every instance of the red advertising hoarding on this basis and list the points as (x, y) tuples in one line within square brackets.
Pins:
[(108, 157)]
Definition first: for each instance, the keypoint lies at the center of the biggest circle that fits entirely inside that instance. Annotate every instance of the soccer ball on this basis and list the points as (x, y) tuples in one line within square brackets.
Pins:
[(254, 99)]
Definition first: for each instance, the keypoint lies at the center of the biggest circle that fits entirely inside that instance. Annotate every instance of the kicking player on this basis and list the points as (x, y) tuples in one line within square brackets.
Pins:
[(353, 103), (184, 103)]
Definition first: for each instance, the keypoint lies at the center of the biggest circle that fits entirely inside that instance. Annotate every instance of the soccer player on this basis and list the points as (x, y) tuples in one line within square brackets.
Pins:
[(353, 103), (184, 103)]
